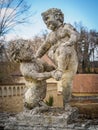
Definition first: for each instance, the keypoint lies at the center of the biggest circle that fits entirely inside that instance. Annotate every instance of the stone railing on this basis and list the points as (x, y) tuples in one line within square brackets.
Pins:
[(11, 97), (11, 89)]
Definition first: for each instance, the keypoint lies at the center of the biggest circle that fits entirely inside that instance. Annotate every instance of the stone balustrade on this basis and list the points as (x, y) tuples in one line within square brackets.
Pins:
[(11, 90), (11, 97)]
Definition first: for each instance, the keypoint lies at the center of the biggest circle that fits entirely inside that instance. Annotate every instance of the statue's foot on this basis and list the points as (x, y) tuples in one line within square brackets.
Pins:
[(37, 110), (71, 112), (59, 93), (68, 107), (42, 107), (42, 103), (34, 110)]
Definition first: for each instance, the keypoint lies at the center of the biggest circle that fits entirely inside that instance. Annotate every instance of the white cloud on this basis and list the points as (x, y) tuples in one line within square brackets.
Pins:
[(11, 36), (28, 30), (3, 1), (6, 12)]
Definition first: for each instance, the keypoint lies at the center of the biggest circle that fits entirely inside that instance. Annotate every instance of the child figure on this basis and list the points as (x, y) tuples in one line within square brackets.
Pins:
[(34, 71), (59, 45)]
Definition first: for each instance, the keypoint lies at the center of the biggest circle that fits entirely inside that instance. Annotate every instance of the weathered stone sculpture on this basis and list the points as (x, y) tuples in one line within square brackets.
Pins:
[(60, 46), (34, 72)]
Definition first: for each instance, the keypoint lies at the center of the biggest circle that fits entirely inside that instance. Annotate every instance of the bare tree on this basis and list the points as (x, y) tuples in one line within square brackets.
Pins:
[(38, 41), (12, 12), (86, 48)]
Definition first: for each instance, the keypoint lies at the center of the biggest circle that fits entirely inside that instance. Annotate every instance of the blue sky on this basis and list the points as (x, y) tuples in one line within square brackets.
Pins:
[(85, 11)]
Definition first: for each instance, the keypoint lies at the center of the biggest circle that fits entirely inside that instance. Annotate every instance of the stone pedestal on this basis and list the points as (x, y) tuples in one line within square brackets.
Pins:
[(53, 119)]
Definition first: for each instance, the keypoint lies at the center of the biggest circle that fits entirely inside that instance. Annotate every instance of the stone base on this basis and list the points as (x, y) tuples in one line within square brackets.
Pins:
[(53, 119)]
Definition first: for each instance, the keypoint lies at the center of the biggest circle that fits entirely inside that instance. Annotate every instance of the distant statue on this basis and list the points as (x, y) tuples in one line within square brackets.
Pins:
[(60, 47), (34, 71)]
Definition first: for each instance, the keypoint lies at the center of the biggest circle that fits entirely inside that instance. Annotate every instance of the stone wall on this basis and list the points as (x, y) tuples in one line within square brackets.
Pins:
[(85, 94), (11, 104)]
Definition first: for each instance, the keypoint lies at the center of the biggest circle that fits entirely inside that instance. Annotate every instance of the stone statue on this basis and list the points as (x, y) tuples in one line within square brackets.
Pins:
[(34, 71), (60, 47)]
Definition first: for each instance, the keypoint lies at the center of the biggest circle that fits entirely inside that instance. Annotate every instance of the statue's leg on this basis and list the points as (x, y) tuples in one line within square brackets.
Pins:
[(30, 98), (67, 81), (33, 99)]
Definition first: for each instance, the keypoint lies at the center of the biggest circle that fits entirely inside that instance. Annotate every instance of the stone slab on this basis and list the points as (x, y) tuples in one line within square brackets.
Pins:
[(53, 119)]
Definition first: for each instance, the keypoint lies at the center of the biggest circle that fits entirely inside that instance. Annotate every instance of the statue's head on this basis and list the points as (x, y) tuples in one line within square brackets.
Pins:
[(53, 18), (20, 51)]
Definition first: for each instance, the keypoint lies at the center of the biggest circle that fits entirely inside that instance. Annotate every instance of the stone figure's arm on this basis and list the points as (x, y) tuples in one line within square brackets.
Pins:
[(43, 49), (41, 76), (72, 33), (36, 75)]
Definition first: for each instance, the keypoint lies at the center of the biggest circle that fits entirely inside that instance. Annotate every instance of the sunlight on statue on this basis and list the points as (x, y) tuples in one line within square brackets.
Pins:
[(60, 47), (34, 71)]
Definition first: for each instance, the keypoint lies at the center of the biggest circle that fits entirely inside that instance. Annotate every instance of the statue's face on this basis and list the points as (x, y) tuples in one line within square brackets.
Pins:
[(20, 51), (25, 54), (52, 20)]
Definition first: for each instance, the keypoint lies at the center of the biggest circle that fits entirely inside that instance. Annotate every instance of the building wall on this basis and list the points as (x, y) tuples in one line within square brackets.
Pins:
[(11, 104)]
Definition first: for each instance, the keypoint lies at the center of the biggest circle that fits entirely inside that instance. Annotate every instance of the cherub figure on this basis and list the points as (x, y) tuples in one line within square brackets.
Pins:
[(60, 47), (34, 71)]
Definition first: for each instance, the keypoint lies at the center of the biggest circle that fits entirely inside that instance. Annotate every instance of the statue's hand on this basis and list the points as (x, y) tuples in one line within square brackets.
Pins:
[(56, 74)]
